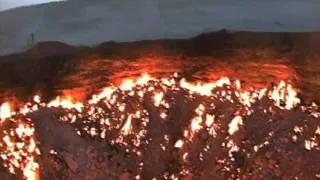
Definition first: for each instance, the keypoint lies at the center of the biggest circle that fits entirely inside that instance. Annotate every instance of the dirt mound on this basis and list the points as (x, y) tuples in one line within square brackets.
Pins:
[(51, 47)]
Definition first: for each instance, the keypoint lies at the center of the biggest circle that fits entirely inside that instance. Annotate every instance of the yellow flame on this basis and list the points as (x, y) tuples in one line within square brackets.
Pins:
[(179, 144), (66, 103), (196, 124), (202, 89), (197, 121), (234, 125), (285, 93), (292, 99), (127, 127), (19, 130), (8, 141), (262, 93), (106, 93), (5, 111), (238, 84), (158, 98), (31, 170), (200, 109), (37, 99), (222, 81), (127, 85), (209, 120), (144, 79), (167, 82)]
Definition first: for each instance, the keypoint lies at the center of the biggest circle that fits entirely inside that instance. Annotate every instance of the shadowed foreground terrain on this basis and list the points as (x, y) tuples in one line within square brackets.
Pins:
[(270, 143)]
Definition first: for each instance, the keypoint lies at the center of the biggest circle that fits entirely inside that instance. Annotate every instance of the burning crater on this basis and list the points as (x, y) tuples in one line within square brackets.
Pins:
[(164, 128)]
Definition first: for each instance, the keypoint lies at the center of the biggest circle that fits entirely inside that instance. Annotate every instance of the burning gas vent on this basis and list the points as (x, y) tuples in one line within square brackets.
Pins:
[(164, 128)]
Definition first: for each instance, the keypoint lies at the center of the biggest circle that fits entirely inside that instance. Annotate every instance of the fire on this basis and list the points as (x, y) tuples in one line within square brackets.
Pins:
[(178, 144), (31, 170), (144, 79), (20, 154), (196, 122), (158, 98), (262, 92), (309, 145), (5, 111), (8, 142), (65, 103), (127, 127), (127, 85), (109, 111), (291, 99), (105, 94), (224, 81), (238, 84), (285, 93), (202, 89), (234, 125), (37, 99), (209, 120), (167, 82), (200, 109)]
